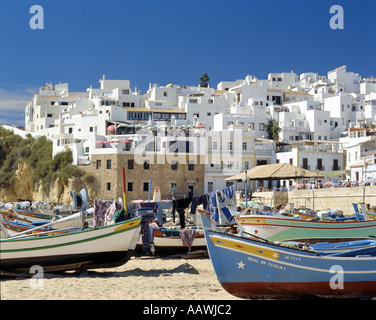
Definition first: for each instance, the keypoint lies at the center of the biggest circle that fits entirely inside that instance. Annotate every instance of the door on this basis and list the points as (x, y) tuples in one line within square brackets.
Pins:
[(190, 191)]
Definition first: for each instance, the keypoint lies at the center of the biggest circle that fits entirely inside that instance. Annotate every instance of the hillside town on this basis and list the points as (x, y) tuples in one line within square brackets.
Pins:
[(189, 139)]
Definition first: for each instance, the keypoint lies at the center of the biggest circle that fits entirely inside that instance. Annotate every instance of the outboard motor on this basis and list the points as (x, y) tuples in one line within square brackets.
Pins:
[(147, 234)]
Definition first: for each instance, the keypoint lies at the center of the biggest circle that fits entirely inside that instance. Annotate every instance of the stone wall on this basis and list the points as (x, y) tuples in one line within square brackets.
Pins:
[(327, 198)]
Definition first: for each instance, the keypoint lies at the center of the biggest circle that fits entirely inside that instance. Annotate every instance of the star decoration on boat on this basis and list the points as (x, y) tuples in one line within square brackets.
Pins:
[(241, 265), (275, 255)]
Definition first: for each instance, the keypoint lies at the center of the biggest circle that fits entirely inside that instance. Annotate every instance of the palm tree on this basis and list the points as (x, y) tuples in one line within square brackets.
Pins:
[(204, 80), (273, 129)]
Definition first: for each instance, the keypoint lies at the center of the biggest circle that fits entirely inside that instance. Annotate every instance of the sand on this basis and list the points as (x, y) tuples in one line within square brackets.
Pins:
[(141, 278)]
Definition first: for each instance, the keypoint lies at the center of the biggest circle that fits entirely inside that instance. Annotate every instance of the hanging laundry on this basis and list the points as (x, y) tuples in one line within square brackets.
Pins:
[(187, 236), (103, 212), (219, 200), (161, 206), (196, 201), (180, 205)]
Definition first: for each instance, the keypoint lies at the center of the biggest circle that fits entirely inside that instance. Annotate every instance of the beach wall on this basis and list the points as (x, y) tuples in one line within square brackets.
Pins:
[(327, 198)]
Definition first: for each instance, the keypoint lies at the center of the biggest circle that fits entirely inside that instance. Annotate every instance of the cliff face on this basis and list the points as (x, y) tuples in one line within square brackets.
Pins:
[(22, 188)]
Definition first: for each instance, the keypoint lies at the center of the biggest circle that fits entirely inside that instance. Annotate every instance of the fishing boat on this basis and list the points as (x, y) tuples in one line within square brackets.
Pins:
[(330, 248), (363, 209), (281, 228), (252, 269), (107, 246), (162, 240), (15, 227), (170, 242)]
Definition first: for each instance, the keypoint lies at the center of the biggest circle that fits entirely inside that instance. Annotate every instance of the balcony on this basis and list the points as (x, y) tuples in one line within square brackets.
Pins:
[(320, 168)]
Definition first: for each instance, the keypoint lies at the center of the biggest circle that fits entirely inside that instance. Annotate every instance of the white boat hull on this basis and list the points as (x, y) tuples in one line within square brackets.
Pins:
[(96, 247)]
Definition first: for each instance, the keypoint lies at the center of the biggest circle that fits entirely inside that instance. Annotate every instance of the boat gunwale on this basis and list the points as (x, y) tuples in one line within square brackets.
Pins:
[(75, 232), (306, 254)]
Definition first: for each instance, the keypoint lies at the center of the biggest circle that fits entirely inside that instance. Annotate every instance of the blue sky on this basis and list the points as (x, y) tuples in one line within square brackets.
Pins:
[(175, 42)]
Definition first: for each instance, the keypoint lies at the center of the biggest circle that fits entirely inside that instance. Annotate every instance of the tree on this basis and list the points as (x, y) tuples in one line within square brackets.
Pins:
[(204, 80), (273, 129)]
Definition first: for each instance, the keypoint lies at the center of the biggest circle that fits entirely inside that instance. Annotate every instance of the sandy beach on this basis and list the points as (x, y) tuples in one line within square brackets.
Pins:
[(141, 278)]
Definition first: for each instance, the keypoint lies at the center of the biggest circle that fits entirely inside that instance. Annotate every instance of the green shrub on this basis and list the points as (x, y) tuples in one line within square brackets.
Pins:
[(38, 154)]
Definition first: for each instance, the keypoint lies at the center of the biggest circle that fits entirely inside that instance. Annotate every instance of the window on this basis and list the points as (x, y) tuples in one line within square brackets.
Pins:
[(244, 145), (305, 163), (210, 186), (229, 146), (130, 164), (108, 164), (215, 145), (246, 165), (230, 165), (99, 163), (146, 164), (291, 160), (130, 186), (87, 149), (125, 91), (319, 122), (70, 130), (210, 101), (262, 126), (58, 142), (319, 137), (209, 114), (174, 165), (174, 187), (319, 165), (191, 166), (251, 126), (108, 186), (193, 101), (146, 186)]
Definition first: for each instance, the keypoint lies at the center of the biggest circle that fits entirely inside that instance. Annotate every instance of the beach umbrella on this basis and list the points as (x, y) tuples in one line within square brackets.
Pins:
[(124, 141), (115, 141), (107, 142), (200, 126), (99, 142)]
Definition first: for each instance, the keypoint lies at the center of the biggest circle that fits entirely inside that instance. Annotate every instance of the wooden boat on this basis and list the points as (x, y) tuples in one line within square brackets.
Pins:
[(108, 246), (330, 248), (281, 228), (363, 209), (15, 227), (253, 269), (171, 242)]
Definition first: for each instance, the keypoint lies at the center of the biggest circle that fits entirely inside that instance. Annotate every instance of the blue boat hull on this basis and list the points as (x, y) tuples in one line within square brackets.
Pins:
[(257, 270)]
